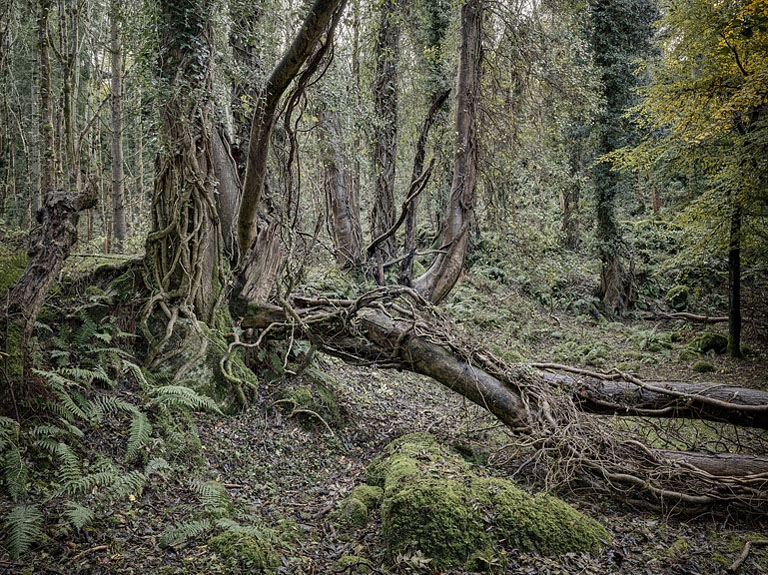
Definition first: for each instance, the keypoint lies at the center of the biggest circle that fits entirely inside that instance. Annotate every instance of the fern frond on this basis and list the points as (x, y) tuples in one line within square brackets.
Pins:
[(85, 375), (131, 483), (86, 330), (23, 527), (145, 379), (139, 433), (9, 428), (44, 430), (183, 531), (155, 466), (68, 407), (14, 471), (182, 396), (78, 515), (86, 483), (211, 493), (102, 405), (70, 464)]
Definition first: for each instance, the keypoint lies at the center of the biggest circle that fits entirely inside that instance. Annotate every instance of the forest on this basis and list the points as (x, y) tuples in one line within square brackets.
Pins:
[(383, 286)]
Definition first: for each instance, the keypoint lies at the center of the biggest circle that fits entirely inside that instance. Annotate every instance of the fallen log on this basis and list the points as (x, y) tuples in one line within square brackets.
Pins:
[(662, 399), (380, 330), (688, 316)]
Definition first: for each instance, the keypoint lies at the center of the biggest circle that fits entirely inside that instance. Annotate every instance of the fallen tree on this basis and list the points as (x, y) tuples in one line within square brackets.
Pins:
[(396, 328)]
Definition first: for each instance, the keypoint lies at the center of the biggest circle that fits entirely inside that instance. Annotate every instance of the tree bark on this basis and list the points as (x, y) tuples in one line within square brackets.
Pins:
[(343, 204), (118, 175), (445, 270), (314, 26), (385, 138), (734, 283), (57, 219), (707, 401)]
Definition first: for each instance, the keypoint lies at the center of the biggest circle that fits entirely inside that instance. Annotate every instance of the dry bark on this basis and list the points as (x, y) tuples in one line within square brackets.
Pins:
[(56, 235), (708, 401)]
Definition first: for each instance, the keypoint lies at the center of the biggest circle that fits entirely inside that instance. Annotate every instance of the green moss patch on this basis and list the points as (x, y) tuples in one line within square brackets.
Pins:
[(702, 366), (435, 503), (709, 341), (245, 551), (311, 403), (355, 509)]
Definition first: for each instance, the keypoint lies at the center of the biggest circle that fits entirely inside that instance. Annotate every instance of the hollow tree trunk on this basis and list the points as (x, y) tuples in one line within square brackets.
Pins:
[(445, 270)]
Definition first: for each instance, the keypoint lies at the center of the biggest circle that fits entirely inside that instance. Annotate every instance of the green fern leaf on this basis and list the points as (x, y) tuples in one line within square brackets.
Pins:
[(23, 525), (140, 431), (86, 483), (154, 466), (70, 464), (182, 396), (211, 493), (183, 531), (131, 483), (78, 515), (14, 472)]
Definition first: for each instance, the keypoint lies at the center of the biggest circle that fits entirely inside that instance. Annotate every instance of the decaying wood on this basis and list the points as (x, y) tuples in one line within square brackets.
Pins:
[(56, 234), (393, 328)]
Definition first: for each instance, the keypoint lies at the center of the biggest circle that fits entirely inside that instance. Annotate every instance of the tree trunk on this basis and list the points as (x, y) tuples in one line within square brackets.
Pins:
[(57, 222), (444, 272), (47, 140), (734, 283), (343, 205), (314, 26), (707, 401), (118, 176), (184, 248), (385, 139)]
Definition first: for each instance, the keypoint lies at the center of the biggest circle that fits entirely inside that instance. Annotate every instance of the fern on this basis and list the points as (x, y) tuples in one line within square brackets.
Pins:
[(107, 404), (14, 472), (154, 466), (23, 526), (182, 396), (140, 431), (130, 483), (183, 531), (70, 464), (78, 516), (86, 483), (212, 494)]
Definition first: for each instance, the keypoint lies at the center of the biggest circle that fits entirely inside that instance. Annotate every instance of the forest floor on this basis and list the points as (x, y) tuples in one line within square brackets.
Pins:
[(288, 476)]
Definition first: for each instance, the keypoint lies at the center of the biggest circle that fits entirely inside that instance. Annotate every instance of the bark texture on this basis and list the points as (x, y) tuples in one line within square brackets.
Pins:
[(445, 270)]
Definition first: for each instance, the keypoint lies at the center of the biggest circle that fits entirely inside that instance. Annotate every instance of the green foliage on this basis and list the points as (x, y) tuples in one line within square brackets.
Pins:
[(11, 268), (184, 531), (140, 431), (181, 397), (23, 527), (78, 515)]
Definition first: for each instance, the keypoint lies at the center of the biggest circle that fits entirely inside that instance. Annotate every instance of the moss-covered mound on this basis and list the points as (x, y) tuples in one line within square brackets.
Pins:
[(435, 503), (710, 341)]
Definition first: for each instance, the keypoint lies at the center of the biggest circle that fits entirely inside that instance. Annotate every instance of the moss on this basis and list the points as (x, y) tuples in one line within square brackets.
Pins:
[(309, 402), (352, 564), (702, 366), (710, 341), (434, 503), (688, 355), (245, 551), (353, 513), (677, 297), (11, 268), (368, 494), (679, 549)]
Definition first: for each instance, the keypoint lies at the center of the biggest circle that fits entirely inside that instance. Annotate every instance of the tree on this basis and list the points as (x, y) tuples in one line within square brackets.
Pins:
[(438, 280), (705, 113), (620, 33), (118, 175)]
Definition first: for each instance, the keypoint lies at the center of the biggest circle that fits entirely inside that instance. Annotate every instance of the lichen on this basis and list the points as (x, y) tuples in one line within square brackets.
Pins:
[(435, 503)]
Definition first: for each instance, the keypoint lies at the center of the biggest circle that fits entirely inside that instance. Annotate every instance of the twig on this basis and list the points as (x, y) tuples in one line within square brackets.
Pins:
[(91, 550), (744, 553)]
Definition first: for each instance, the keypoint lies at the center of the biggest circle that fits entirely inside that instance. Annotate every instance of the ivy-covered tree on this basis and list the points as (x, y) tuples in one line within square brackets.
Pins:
[(621, 32)]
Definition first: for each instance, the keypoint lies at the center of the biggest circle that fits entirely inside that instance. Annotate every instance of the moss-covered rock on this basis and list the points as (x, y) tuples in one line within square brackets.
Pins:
[(677, 297), (245, 551), (354, 510), (435, 503), (688, 355), (710, 341)]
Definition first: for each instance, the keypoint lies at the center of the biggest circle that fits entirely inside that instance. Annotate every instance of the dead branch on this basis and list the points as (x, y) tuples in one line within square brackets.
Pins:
[(689, 316)]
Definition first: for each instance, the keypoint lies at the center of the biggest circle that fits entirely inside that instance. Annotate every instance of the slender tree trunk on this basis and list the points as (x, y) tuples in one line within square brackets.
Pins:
[(444, 272), (385, 139), (118, 176), (344, 209), (314, 26), (47, 140), (734, 283)]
